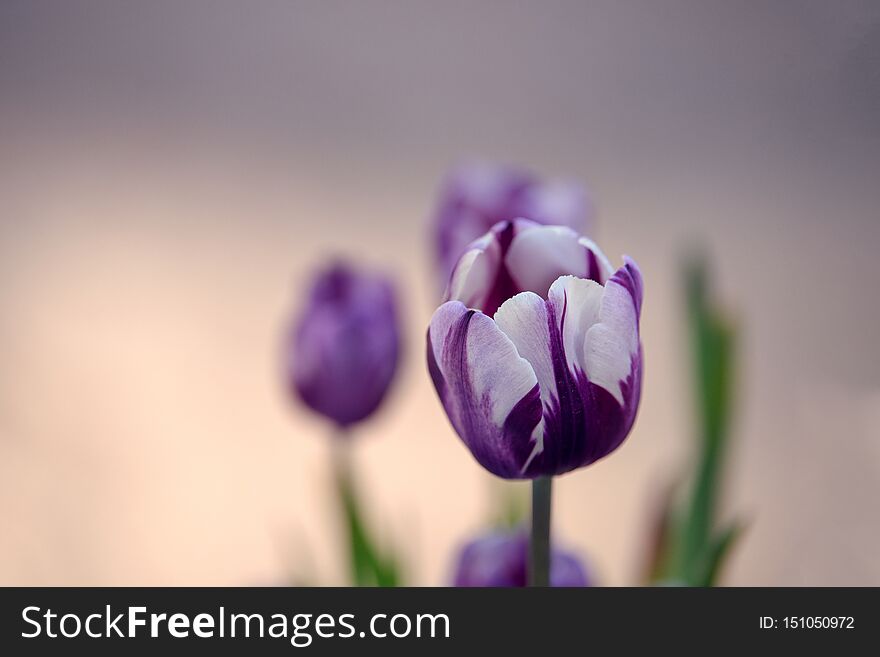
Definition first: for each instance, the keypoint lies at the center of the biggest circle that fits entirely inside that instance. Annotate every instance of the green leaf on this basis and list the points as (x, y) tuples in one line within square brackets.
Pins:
[(368, 565), (719, 550), (691, 556), (660, 537)]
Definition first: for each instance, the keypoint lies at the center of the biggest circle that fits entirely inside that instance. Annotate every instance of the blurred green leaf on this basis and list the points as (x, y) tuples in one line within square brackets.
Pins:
[(718, 552), (663, 522), (511, 505), (691, 551), (369, 566)]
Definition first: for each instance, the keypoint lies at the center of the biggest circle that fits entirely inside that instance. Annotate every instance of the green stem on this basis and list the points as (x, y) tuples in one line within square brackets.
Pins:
[(539, 545), (367, 565), (347, 506)]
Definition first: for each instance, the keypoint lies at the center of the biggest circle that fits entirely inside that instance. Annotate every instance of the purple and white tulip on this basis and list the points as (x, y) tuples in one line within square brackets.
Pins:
[(501, 559), (476, 196), (342, 352), (536, 354)]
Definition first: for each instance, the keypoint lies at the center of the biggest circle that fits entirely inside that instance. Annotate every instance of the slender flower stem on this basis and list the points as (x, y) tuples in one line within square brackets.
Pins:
[(344, 488), (341, 455), (368, 565), (539, 546)]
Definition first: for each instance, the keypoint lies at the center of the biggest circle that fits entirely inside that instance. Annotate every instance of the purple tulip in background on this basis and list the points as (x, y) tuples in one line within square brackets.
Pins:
[(343, 350), (536, 355), (476, 196), (501, 559)]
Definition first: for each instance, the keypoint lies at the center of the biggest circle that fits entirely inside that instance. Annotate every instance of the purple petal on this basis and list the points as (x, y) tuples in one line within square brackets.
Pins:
[(613, 342), (500, 559), (582, 421), (482, 279), (476, 196), (567, 570), (594, 406), (599, 269), (522, 256), (557, 203), (343, 350), (490, 394)]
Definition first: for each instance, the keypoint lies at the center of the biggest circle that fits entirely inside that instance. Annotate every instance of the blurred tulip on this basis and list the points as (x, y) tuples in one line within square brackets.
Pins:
[(342, 354), (343, 349), (501, 559), (553, 381), (476, 196)]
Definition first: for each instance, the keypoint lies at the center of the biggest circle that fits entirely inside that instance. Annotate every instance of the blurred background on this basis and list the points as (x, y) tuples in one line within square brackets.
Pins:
[(170, 173)]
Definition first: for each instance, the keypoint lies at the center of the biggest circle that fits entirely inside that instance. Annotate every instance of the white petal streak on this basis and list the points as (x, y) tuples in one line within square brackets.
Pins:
[(523, 319), (613, 342), (495, 372), (577, 302), (471, 278)]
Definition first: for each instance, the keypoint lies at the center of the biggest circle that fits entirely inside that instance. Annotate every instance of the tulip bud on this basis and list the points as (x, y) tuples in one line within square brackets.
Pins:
[(501, 559), (342, 352), (536, 355), (476, 196)]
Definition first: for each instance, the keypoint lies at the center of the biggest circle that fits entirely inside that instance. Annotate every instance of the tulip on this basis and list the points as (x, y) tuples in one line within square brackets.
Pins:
[(536, 355), (500, 559), (344, 348), (342, 354), (476, 196)]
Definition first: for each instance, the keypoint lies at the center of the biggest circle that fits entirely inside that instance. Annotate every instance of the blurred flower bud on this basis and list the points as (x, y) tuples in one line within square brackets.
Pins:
[(501, 559), (343, 349), (476, 196)]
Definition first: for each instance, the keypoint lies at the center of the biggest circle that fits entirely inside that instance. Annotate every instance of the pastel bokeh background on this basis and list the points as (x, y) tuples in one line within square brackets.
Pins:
[(171, 172)]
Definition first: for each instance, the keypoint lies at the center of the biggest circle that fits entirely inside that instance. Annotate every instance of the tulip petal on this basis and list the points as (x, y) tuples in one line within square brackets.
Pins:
[(474, 197), (524, 320), (612, 344), (599, 267), (582, 421), (481, 279), (591, 417), (500, 558), (472, 276), (557, 203), (577, 302), (567, 570), (538, 255), (490, 393)]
